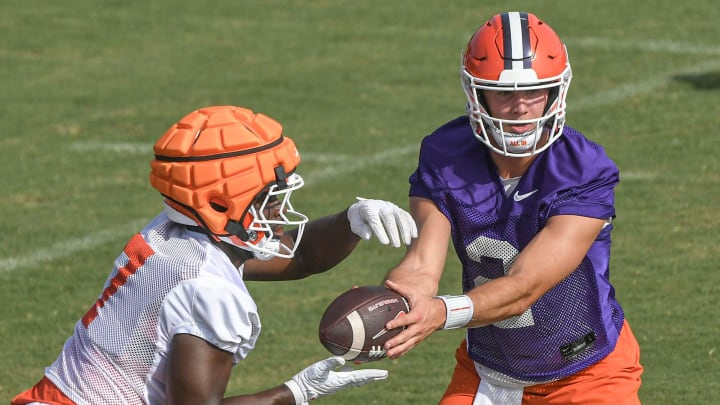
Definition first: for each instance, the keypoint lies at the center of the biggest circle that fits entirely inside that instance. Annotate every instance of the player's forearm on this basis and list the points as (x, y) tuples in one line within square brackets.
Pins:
[(421, 268), (326, 242), (498, 300), (422, 282), (279, 395)]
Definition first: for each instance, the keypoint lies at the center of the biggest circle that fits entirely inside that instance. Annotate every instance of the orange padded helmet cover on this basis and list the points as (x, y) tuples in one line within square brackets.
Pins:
[(211, 165)]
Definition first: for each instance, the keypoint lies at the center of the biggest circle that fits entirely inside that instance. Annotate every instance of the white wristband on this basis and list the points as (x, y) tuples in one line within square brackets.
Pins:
[(459, 310), (297, 392)]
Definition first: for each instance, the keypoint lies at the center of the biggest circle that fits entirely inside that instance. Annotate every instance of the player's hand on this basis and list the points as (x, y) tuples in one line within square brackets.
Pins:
[(318, 379), (425, 317), (386, 220)]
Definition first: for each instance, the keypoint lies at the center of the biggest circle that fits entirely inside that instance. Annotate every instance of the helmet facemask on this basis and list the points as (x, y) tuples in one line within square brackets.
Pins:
[(547, 128), (266, 218)]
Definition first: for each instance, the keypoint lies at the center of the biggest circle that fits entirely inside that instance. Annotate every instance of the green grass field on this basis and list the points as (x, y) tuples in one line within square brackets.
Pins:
[(88, 86)]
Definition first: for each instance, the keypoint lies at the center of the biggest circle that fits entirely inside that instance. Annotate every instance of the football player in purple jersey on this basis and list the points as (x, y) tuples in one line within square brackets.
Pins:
[(528, 204)]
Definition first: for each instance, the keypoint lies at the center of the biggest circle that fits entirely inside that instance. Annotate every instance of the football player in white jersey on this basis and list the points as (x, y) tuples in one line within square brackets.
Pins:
[(175, 316)]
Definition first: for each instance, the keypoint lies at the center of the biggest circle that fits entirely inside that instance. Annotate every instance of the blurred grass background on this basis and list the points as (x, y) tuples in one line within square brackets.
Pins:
[(88, 86)]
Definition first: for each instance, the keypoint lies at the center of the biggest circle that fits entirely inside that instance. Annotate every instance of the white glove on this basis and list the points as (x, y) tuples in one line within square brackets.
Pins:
[(318, 379), (382, 218)]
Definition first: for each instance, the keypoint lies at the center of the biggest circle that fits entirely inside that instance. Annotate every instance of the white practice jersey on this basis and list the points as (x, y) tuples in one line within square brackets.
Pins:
[(167, 281)]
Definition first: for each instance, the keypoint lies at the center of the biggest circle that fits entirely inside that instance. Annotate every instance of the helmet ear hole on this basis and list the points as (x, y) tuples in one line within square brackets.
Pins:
[(218, 204)]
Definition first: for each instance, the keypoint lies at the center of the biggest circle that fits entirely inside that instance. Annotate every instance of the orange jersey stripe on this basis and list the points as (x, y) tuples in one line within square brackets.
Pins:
[(137, 251)]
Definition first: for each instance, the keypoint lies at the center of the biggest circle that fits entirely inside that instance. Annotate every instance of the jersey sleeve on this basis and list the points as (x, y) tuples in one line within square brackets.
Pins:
[(451, 163), (214, 310), (578, 178), (425, 181), (591, 195), (417, 187), (594, 200)]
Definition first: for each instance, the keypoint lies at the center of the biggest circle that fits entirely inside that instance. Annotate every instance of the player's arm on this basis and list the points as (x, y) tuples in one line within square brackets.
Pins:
[(198, 373), (329, 240), (325, 243), (418, 275), (552, 255), (421, 268)]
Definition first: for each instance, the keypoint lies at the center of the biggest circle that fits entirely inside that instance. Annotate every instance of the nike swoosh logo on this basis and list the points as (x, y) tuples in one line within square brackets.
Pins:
[(519, 197)]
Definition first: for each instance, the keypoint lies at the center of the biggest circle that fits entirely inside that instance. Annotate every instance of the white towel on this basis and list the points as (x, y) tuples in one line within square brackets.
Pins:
[(491, 394), (497, 388)]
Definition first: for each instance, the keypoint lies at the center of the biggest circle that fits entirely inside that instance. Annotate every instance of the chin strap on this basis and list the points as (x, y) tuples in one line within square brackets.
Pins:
[(197, 229), (235, 228)]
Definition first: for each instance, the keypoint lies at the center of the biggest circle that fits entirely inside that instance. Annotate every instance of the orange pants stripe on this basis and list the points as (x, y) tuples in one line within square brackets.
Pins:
[(614, 380)]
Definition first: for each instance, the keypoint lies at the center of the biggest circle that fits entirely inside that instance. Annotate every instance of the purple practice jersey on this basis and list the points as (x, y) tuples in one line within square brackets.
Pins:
[(577, 322)]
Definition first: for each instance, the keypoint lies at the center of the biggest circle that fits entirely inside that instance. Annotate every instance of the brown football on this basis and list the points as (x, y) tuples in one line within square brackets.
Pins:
[(353, 325)]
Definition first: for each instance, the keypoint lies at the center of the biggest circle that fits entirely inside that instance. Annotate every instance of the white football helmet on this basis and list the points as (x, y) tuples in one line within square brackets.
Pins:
[(516, 51)]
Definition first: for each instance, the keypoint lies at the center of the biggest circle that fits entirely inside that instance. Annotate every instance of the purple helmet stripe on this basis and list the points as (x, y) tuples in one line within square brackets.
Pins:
[(527, 52), (516, 40), (507, 41)]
